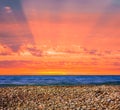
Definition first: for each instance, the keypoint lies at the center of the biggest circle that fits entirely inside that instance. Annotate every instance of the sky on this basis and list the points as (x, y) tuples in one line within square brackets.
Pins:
[(59, 37)]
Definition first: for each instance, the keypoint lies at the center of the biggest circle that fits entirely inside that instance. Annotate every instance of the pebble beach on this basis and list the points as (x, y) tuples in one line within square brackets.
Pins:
[(60, 97)]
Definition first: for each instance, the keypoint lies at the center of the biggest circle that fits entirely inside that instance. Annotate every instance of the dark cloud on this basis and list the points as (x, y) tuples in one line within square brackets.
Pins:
[(59, 6), (35, 52), (14, 29), (13, 64), (5, 53), (95, 52), (5, 50), (109, 15), (115, 5), (85, 51), (116, 64), (14, 41), (14, 48), (15, 6)]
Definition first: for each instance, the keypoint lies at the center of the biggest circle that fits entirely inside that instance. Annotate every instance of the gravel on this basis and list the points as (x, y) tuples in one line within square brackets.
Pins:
[(60, 98)]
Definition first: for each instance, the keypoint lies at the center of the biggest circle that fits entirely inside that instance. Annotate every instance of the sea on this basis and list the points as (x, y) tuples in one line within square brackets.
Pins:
[(58, 80)]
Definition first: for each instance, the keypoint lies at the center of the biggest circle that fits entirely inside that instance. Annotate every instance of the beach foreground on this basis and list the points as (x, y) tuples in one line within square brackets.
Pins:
[(60, 98)]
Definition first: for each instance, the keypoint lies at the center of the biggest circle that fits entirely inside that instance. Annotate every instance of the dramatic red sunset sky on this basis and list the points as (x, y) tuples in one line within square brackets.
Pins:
[(59, 37)]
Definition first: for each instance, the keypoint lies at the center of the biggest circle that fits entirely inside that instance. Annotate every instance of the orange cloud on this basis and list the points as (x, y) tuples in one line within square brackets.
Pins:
[(88, 61), (68, 40)]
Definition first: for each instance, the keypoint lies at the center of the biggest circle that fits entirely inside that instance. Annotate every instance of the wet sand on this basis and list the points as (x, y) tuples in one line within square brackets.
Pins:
[(60, 98)]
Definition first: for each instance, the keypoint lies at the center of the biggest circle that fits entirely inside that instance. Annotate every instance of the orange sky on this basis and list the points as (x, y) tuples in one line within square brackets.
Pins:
[(59, 37)]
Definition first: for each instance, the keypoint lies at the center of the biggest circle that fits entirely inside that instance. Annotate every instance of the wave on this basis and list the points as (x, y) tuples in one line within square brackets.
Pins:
[(58, 80)]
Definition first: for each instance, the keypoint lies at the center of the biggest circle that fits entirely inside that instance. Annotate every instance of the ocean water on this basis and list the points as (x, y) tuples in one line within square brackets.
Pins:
[(59, 80)]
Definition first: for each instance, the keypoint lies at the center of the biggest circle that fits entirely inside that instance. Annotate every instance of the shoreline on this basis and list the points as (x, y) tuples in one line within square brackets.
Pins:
[(117, 83), (83, 97)]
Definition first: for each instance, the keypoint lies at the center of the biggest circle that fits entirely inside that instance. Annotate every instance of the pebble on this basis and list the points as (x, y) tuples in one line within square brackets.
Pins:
[(60, 98)]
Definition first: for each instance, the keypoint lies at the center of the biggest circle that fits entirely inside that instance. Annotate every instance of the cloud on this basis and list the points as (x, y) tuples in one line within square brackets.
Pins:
[(8, 9), (35, 51), (13, 63), (117, 64), (95, 52), (66, 5), (82, 51), (21, 50), (29, 49), (14, 35), (9, 39), (14, 30), (4, 50)]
